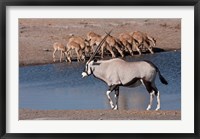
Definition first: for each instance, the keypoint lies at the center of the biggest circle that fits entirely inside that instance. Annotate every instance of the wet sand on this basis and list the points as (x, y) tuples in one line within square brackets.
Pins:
[(27, 114)]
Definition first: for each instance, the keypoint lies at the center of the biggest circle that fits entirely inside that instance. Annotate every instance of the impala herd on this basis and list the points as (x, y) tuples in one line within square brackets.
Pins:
[(125, 42), (126, 74)]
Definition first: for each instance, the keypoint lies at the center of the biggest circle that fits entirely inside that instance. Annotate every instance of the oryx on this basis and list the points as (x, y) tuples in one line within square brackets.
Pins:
[(117, 72)]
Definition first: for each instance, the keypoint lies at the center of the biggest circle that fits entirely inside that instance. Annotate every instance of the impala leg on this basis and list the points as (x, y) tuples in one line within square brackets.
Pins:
[(69, 59), (66, 56), (77, 53), (124, 48), (149, 47), (151, 40), (128, 46), (151, 51), (54, 57), (83, 58), (82, 55), (61, 53), (111, 51), (136, 46), (68, 52), (119, 50)]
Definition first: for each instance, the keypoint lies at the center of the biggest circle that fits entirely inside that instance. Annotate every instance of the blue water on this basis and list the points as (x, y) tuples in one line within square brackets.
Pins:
[(60, 86)]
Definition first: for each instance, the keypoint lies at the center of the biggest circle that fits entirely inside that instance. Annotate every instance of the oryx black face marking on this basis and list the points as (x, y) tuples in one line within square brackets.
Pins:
[(85, 69), (96, 63)]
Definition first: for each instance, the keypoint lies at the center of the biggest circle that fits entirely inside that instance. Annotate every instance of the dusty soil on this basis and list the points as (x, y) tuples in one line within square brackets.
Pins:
[(27, 114), (36, 36)]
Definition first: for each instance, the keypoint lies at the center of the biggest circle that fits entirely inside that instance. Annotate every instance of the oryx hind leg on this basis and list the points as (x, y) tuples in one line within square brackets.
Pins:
[(152, 91), (151, 100), (158, 101), (157, 93)]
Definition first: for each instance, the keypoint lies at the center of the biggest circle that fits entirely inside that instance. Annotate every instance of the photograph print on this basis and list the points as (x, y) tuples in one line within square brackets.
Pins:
[(99, 68)]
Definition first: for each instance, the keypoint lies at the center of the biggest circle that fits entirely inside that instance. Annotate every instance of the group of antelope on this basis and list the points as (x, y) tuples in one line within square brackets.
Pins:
[(126, 42)]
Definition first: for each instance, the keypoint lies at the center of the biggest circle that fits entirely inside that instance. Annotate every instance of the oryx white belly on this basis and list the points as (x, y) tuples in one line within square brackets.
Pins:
[(135, 84)]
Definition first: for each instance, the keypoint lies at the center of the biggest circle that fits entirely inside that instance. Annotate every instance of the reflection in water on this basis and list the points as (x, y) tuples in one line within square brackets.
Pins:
[(60, 86)]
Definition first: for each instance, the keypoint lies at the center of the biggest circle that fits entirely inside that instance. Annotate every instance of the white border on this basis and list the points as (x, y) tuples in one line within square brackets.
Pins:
[(186, 125)]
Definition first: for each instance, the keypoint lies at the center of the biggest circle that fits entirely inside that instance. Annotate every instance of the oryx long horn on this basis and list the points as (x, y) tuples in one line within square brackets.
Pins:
[(109, 32), (100, 44)]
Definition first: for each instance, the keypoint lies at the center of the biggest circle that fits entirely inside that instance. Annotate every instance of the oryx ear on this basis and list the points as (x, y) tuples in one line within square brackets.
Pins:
[(95, 60)]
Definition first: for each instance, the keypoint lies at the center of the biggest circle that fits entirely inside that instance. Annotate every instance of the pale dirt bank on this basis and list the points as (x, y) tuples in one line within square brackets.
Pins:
[(38, 35), (27, 114)]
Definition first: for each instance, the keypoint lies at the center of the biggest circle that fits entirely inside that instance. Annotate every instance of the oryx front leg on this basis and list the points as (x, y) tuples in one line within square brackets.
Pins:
[(116, 98), (151, 100), (109, 98)]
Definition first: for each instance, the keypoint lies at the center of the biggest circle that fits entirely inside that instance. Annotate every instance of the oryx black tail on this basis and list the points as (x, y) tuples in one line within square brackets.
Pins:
[(162, 79)]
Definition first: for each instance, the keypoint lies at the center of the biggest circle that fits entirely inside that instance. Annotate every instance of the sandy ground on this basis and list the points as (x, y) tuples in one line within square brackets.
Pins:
[(38, 35), (27, 114)]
